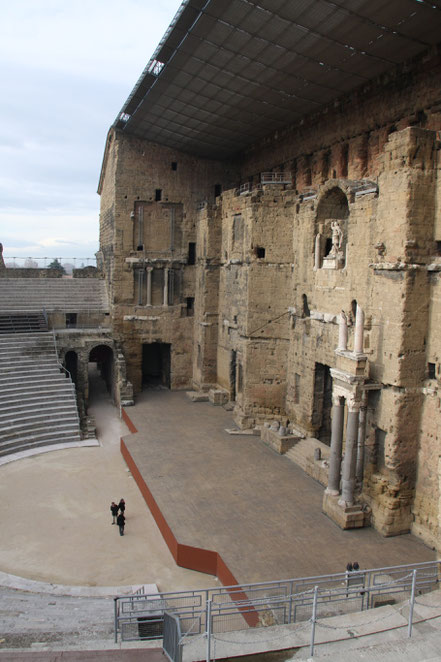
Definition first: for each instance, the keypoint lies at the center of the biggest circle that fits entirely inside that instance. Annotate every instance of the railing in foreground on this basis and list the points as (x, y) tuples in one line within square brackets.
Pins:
[(234, 608)]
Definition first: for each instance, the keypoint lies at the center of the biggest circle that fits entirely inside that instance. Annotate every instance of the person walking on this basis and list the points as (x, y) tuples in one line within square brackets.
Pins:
[(114, 511), (122, 506), (121, 520)]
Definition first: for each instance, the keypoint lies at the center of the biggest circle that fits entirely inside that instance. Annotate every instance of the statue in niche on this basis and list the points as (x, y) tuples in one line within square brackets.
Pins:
[(335, 257), (337, 239)]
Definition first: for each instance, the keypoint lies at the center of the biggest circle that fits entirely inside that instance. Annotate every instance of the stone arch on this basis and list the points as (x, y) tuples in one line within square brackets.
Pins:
[(103, 355), (331, 227)]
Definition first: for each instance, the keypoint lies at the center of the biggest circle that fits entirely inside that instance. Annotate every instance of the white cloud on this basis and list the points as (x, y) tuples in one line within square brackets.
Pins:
[(66, 69)]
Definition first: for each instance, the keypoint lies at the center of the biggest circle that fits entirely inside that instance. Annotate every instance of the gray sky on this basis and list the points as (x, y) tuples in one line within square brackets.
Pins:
[(66, 68)]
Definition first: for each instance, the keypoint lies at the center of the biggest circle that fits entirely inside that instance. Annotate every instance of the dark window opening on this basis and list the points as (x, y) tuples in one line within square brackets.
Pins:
[(305, 307), (71, 320), (190, 306), (431, 370), (217, 190), (438, 247), (140, 247), (191, 253), (158, 195), (174, 165), (260, 252), (353, 309)]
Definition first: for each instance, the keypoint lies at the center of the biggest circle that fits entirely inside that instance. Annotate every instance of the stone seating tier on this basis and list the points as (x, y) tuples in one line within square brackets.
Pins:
[(70, 295), (37, 399)]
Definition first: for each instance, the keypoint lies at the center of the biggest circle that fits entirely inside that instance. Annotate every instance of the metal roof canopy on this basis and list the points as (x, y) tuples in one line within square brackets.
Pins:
[(229, 72)]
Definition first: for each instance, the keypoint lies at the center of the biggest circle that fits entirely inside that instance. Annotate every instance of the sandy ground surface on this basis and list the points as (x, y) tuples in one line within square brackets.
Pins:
[(56, 521)]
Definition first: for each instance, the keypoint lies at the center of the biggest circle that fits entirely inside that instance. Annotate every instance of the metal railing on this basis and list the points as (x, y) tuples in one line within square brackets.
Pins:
[(270, 603), (275, 178), (20, 262)]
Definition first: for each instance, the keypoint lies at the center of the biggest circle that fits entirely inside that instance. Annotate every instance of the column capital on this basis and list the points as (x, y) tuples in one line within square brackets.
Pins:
[(353, 402)]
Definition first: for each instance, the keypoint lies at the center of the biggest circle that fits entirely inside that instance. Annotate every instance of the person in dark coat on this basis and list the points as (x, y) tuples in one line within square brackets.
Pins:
[(121, 520), (122, 506), (114, 511)]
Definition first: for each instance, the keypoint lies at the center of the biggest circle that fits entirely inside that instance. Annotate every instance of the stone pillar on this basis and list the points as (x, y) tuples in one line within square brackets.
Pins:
[(349, 462), (359, 329), (338, 411), (165, 296), (361, 438), (140, 285), (149, 286), (342, 332), (317, 251)]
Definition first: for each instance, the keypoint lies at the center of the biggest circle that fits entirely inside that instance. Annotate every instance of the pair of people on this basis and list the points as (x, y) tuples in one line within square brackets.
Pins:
[(119, 519)]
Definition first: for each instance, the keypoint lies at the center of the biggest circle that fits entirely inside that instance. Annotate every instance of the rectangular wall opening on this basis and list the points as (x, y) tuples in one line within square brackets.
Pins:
[(321, 414), (156, 364), (191, 253)]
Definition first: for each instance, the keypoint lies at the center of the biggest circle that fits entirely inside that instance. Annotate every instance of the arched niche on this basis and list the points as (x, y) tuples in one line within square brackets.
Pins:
[(102, 357), (331, 229)]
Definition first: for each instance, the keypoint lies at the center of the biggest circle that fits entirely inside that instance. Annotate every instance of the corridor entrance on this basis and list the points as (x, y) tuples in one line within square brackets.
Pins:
[(102, 356), (156, 364)]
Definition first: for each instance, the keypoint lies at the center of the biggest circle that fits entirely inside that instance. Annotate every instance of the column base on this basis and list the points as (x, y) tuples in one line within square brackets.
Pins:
[(332, 492), (347, 517)]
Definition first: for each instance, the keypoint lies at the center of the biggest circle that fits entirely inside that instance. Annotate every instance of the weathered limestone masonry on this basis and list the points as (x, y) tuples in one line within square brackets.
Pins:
[(150, 196), (307, 294)]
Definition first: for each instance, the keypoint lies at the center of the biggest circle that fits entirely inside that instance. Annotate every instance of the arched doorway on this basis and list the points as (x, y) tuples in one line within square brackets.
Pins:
[(100, 367)]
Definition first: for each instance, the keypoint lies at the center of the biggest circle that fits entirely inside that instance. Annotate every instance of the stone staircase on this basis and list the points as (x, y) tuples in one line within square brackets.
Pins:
[(61, 294), (22, 322), (37, 400), (302, 454)]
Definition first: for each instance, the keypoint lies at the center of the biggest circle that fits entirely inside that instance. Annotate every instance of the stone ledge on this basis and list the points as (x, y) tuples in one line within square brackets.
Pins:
[(281, 443)]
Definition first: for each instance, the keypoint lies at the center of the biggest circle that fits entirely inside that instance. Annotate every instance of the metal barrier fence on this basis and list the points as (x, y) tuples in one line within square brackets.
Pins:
[(265, 604), (171, 641)]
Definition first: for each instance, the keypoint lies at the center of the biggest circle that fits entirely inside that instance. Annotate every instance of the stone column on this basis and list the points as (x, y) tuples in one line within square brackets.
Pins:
[(140, 285), (359, 329), (338, 411), (349, 462), (149, 286), (165, 296), (361, 440), (317, 251), (342, 332)]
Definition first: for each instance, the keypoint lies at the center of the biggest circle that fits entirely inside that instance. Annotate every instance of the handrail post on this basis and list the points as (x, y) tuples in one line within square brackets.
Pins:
[(412, 602), (313, 621), (115, 619), (208, 629)]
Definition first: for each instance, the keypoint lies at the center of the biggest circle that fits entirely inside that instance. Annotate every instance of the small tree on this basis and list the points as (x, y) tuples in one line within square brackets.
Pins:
[(55, 264)]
